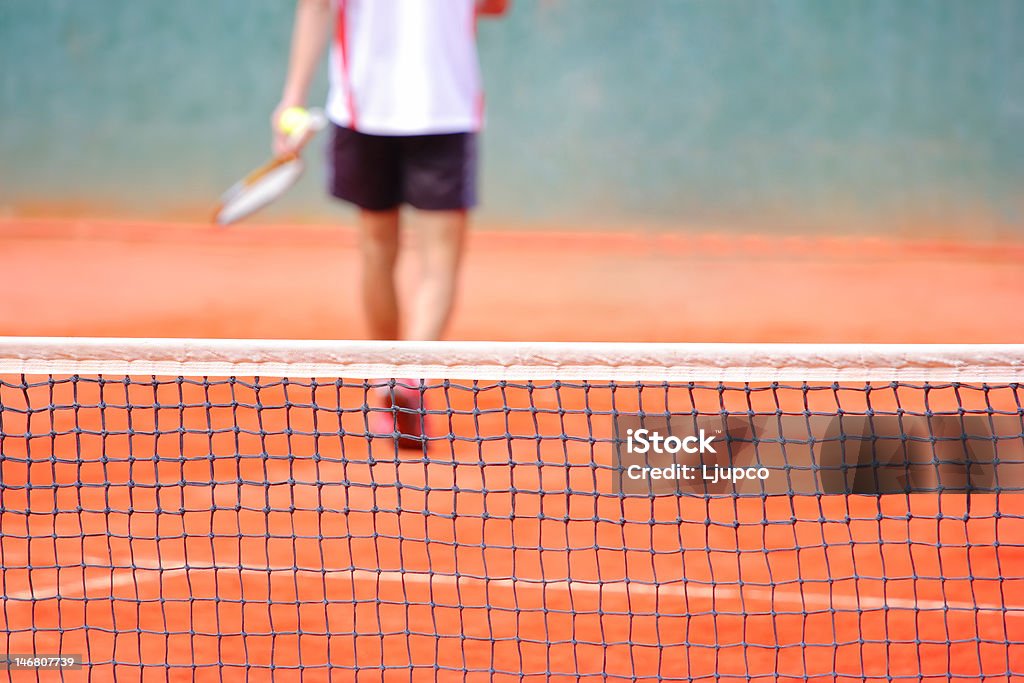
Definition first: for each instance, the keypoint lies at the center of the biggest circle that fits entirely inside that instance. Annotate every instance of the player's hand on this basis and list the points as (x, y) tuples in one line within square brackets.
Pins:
[(282, 143), (491, 8)]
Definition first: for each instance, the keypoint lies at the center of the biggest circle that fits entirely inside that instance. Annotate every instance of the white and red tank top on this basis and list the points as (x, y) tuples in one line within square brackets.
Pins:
[(405, 67)]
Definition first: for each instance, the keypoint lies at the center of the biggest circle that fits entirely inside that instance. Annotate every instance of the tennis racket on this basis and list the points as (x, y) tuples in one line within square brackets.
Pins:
[(271, 180)]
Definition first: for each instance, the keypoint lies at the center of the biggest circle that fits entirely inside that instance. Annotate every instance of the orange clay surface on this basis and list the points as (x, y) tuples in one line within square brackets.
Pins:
[(147, 279), (162, 551)]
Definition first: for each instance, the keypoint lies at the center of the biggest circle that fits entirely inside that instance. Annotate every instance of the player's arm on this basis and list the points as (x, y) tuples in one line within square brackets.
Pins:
[(309, 39), (491, 8)]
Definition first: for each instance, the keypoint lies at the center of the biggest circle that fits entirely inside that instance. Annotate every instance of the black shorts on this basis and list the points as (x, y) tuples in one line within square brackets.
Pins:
[(381, 172)]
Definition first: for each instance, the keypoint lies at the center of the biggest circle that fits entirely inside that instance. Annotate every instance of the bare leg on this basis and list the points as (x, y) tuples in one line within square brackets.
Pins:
[(379, 244), (439, 246)]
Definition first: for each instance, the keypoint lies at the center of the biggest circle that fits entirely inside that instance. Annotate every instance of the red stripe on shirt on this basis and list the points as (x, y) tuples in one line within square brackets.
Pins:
[(341, 41)]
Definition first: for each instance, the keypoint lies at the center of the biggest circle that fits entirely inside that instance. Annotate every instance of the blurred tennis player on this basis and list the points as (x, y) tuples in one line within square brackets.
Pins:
[(406, 105)]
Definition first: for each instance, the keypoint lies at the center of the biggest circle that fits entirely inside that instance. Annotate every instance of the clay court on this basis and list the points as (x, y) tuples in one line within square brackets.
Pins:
[(282, 543), (95, 278)]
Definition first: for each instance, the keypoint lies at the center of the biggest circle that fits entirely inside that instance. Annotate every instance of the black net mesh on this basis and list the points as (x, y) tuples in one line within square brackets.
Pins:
[(301, 529)]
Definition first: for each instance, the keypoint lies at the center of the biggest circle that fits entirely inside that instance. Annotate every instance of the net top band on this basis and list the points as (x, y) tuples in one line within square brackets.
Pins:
[(514, 361)]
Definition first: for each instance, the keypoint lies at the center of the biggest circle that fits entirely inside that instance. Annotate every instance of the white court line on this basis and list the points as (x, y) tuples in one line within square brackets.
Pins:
[(153, 569)]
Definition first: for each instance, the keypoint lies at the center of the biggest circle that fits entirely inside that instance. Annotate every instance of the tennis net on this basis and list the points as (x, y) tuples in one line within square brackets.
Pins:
[(211, 510)]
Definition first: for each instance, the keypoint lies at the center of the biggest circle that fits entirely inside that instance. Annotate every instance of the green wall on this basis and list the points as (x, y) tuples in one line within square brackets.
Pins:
[(808, 114)]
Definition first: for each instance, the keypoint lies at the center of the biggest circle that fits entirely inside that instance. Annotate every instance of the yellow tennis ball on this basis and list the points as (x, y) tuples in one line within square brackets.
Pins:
[(292, 119)]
